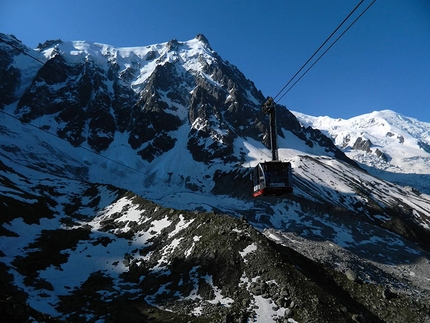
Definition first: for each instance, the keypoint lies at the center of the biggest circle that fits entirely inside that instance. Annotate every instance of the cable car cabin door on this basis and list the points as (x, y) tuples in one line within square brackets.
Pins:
[(272, 178)]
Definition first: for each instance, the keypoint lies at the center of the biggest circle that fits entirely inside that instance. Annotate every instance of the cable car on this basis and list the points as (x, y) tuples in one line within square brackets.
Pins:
[(272, 177)]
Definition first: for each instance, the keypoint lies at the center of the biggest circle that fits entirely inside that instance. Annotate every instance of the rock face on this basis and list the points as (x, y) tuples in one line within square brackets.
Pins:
[(424, 146), (381, 155), (365, 144), (362, 144), (88, 93)]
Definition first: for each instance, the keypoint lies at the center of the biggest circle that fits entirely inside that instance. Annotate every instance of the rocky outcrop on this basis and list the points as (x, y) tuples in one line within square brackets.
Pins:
[(365, 145), (381, 155), (10, 76), (424, 146), (362, 144), (186, 266), (399, 137)]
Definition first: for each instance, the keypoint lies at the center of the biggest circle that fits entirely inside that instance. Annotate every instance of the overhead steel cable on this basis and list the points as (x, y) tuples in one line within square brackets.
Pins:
[(78, 146), (33, 57), (277, 95), (59, 72), (51, 133), (319, 48), (55, 70), (356, 19)]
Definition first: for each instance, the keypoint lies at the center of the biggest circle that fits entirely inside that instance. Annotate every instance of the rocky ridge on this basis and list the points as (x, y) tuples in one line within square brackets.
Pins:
[(153, 263), (88, 92)]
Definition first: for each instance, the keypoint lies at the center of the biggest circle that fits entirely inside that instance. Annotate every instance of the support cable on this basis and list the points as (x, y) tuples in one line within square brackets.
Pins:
[(325, 51), (319, 48)]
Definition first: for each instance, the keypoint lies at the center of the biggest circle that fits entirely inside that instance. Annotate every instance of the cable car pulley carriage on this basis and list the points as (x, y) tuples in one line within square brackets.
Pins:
[(275, 177), (272, 177)]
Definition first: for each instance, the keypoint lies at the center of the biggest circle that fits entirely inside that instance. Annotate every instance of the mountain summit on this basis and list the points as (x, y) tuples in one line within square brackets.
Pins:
[(125, 196), (88, 92), (385, 143)]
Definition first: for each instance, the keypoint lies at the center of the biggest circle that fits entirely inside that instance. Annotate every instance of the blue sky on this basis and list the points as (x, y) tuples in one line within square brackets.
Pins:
[(382, 62)]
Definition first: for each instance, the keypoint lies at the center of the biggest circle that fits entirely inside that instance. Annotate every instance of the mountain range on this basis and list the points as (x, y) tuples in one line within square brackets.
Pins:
[(125, 195), (387, 144)]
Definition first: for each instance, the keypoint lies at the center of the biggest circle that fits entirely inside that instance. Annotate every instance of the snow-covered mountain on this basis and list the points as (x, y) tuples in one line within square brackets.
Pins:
[(385, 143), (125, 196)]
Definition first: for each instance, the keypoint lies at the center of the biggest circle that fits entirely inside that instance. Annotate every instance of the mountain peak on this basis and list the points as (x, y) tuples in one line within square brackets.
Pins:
[(386, 143), (204, 40), (49, 43), (173, 45)]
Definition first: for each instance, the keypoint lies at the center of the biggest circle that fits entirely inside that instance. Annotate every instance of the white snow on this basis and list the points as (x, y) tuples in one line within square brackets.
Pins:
[(399, 137), (266, 311), (252, 247)]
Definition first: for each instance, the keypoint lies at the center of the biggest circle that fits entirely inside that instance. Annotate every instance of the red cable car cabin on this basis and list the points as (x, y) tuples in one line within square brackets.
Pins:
[(272, 178)]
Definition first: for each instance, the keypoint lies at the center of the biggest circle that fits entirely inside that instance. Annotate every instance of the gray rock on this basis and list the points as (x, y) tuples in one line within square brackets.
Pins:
[(351, 275), (362, 144), (288, 313), (359, 318), (388, 294)]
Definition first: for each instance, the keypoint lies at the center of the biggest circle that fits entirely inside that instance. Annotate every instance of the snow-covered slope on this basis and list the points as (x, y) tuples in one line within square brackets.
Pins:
[(97, 132), (93, 253), (391, 146)]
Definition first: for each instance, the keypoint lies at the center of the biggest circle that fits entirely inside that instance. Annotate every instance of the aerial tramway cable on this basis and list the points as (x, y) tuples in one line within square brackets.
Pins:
[(319, 48), (53, 134), (355, 20), (278, 96), (281, 93), (275, 177)]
